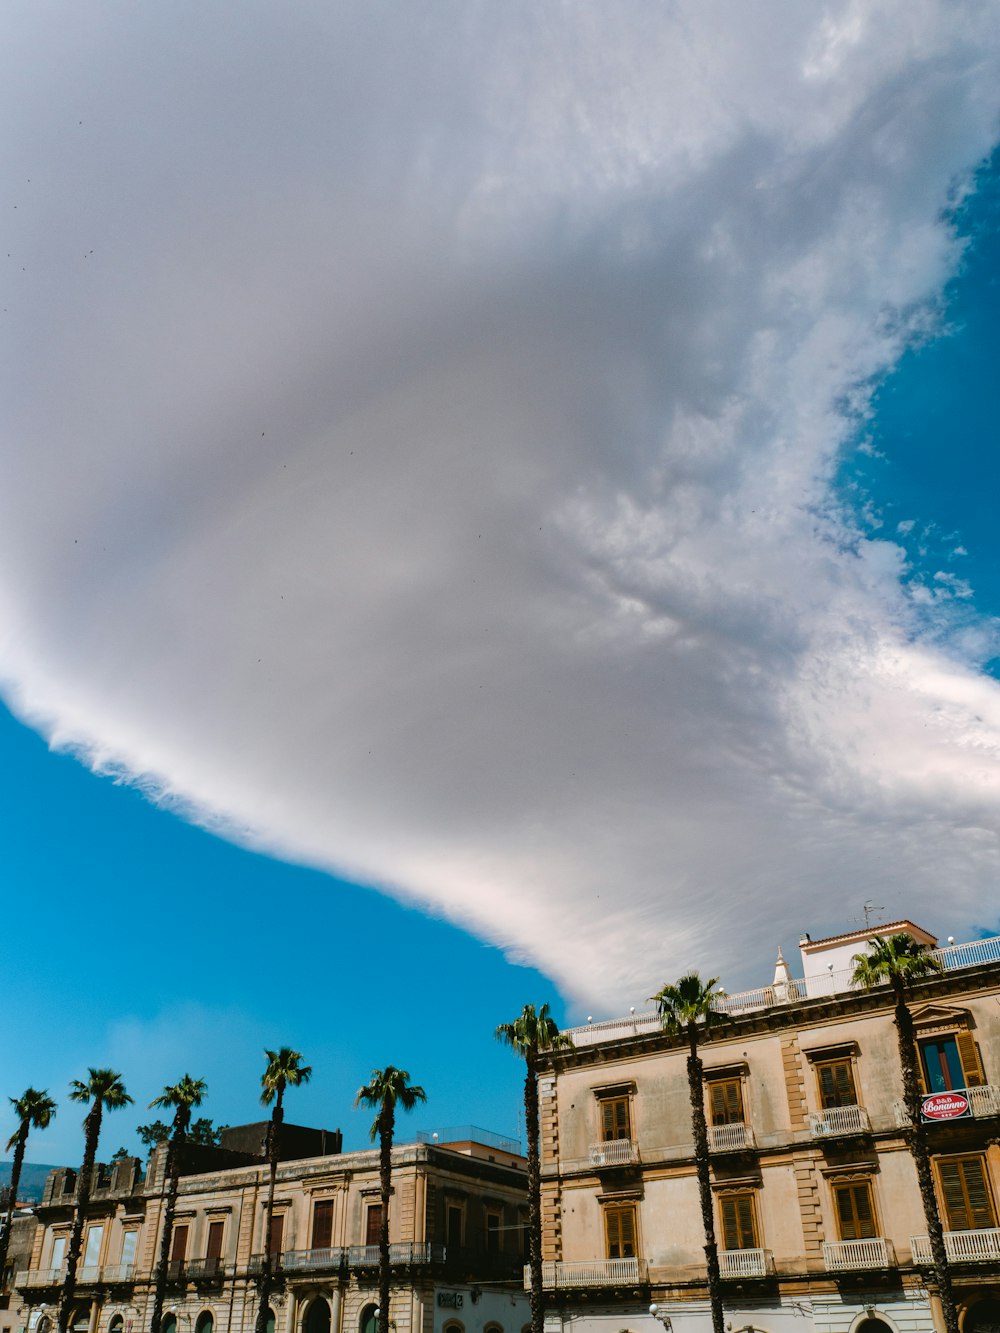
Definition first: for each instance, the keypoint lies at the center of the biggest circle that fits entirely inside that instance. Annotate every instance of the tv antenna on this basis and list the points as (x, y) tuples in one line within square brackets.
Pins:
[(870, 909)]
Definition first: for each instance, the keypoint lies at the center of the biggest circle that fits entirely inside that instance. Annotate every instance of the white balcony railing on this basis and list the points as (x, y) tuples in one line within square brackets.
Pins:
[(117, 1272), (983, 1102), (745, 1263), (400, 1252), (39, 1277), (730, 1138), (837, 1120), (590, 1273), (951, 958), (841, 1255), (961, 1247), (88, 1273), (614, 1152)]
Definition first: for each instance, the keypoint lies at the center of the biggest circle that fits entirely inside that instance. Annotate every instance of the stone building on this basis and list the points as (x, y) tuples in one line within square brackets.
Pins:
[(456, 1220), (816, 1206)]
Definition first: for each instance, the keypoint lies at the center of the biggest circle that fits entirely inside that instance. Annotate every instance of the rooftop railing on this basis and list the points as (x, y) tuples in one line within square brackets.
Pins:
[(469, 1134), (642, 1023)]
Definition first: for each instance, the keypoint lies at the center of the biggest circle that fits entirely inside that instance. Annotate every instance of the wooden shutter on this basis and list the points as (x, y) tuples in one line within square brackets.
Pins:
[(969, 1056), (277, 1232), (855, 1214), (373, 1224), (215, 1234), (966, 1194), (836, 1084), (738, 1229), (322, 1232), (620, 1223), (726, 1102), (178, 1249), (615, 1119)]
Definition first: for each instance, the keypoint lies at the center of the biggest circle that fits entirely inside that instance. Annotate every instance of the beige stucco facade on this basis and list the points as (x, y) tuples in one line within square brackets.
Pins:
[(457, 1219), (815, 1200)]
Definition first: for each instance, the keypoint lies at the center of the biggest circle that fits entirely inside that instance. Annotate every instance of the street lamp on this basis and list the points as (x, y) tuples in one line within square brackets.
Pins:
[(661, 1315)]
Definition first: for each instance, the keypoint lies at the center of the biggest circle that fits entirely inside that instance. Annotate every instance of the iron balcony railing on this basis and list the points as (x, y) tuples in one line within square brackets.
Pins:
[(203, 1270), (730, 1138), (745, 1263), (850, 1255), (961, 1247), (836, 1121), (590, 1273), (614, 1152), (400, 1252), (294, 1260), (118, 1273)]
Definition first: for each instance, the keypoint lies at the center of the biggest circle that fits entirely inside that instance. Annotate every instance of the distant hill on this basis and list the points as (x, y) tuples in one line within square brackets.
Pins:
[(33, 1176)]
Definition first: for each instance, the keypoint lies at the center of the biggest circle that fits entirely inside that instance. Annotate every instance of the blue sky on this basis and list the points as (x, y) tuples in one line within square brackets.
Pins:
[(493, 516)]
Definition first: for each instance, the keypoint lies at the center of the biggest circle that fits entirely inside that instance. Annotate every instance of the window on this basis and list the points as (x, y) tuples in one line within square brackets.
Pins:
[(168, 1324), (206, 1322), (92, 1254), (493, 1233), (58, 1251), (277, 1233), (725, 1103), (739, 1221), (619, 1230), (213, 1252), (322, 1228), (129, 1241), (965, 1192), (373, 1224), (269, 1321), (616, 1120), (178, 1248), (855, 1211), (455, 1219), (117, 1324), (950, 1061), (836, 1084)]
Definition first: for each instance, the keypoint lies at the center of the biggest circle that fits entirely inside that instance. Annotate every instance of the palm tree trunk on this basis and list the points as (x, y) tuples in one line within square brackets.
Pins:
[(92, 1134), (701, 1159), (15, 1180), (537, 1291), (386, 1127), (173, 1171), (266, 1272), (916, 1136)]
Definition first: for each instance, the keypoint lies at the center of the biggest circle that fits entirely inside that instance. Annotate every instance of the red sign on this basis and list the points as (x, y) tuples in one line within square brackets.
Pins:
[(945, 1106)]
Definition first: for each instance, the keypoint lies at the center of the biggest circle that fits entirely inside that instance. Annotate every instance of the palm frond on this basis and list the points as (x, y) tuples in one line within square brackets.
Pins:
[(688, 1000), (284, 1070), (891, 959)]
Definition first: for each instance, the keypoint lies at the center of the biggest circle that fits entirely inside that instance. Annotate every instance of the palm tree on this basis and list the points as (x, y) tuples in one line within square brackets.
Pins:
[(284, 1070), (683, 1007), (181, 1097), (897, 961), (529, 1036), (385, 1090), (34, 1110), (106, 1091)]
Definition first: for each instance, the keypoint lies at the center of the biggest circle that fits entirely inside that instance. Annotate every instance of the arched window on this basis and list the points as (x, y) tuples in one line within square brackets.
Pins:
[(453, 1326), (269, 1321), (168, 1324), (44, 1324), (493, 1328), (206, 1322), (317, 1318), (874, 1325), (116, 1324), (80, 1319), (369, 1320), (983, 1317)]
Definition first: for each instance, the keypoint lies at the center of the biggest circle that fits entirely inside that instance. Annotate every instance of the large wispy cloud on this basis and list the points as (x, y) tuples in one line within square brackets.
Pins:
[(420, 428)]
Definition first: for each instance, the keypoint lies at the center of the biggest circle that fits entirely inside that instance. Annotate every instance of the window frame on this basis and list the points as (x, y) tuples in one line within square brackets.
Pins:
[(727, 1080), (734, 1196), (831, 1062), (852, 1183), (618, 1209), (959, 1159), (607, 1097)]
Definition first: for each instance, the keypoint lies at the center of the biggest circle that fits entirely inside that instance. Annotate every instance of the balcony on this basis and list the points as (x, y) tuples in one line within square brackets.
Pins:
[(961, 1247), (39, 1277), (118, 1273), (731, 1138), (983, 1103), (614, 1152), (838, 1122), (590, 1273), (745, 1263), (848, 1256), (203, 1270), (293, 1261), (401, 1252)]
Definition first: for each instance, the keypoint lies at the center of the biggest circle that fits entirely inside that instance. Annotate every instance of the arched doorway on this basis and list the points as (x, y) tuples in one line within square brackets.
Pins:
[(983, 1318), (317, 1318), (206, 1322), (168, 1324), (116, 1324), (873, 1325), (79, 1320), (369, 1320), (269, 1321)]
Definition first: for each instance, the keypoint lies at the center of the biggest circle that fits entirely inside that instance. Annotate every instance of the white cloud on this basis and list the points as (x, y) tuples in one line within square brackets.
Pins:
[(421, 426)]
